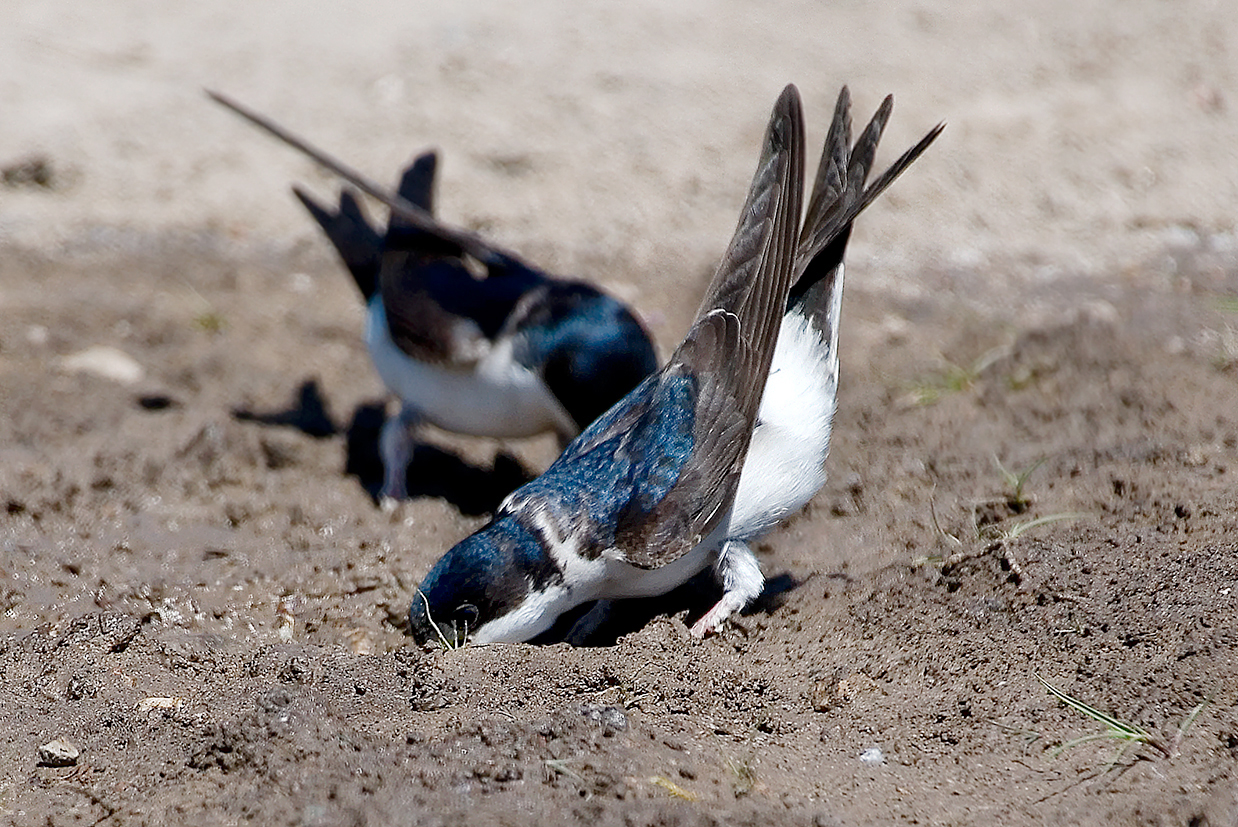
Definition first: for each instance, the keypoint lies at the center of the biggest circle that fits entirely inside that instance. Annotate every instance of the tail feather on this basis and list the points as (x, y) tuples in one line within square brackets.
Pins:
[(865, 150), (417, 182), (839, 195), (417, 188), (359, 244), (832, 168)]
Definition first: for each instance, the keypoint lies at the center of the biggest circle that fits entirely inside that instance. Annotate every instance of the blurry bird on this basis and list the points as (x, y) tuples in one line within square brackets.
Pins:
[(467, 336), (653, 492)]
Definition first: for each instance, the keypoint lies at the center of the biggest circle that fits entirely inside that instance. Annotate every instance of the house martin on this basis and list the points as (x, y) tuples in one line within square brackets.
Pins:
[(687, 470), (466, 335), (643, 499)]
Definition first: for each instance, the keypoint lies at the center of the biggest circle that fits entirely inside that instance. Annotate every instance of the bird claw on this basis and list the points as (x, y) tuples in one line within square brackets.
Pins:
[(742, 582), (699, 631), (714, 618)]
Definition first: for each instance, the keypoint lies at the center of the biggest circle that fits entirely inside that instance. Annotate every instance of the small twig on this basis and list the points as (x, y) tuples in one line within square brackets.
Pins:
[(673, 788)]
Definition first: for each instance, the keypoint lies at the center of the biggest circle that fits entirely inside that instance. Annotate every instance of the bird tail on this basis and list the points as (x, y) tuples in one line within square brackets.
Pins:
[(838, 197), (359, 244), (417, 188), (417, 183)]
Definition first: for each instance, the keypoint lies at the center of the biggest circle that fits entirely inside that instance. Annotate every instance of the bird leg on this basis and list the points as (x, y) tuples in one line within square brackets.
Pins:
[(742, 582), (395, 445)]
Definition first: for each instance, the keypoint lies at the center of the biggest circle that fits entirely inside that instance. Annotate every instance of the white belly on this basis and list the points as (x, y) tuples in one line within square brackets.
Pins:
[(623, 580), (785, 465), (608, 576), (493, 396)]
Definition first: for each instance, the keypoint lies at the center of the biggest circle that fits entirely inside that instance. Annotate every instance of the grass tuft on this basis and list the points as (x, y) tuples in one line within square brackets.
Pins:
[(1015, 481), (1012, 532), (1224, 343), (745, 776), (1129, 734), (209, 322), (953, 378)]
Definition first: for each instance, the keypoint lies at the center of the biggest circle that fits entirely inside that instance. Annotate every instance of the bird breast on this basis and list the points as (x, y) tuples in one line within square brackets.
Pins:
[(494, 396)]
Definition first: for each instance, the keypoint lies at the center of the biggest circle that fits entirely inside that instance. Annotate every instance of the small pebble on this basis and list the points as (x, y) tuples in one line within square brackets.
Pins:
[(108, 362), (151, 704), (31, 171), (611, 718), (873, 756), (37, 335), (58, 753)]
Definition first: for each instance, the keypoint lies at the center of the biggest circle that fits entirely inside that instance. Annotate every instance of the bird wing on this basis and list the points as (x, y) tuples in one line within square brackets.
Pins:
[(427, 289), (438, 308), (678, 442), (474, 245)]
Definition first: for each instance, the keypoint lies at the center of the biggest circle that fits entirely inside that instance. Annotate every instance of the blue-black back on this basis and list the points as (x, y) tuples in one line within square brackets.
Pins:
[(590, 349), (611, 482)]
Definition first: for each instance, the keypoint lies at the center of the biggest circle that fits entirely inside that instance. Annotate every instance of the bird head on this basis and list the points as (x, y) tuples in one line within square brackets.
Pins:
[(589, 348), (498, 585)]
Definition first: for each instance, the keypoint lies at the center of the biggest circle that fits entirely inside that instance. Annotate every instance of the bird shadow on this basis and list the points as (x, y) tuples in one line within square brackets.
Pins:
[(307, 413), (693, 599), (433, 471)]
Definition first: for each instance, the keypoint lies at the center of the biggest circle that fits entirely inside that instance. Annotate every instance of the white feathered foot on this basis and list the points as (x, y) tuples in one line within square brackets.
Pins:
[(742, 582)]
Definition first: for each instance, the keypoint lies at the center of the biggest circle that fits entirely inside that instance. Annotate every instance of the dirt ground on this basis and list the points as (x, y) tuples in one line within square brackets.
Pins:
[(1031, 474)]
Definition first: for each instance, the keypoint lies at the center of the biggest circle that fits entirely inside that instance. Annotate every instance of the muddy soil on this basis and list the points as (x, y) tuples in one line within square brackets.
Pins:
[(1032, 477), (202, 598)]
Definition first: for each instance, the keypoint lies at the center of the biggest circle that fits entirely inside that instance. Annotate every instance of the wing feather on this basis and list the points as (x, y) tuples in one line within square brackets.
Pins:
[(473, 244), (727, 353)]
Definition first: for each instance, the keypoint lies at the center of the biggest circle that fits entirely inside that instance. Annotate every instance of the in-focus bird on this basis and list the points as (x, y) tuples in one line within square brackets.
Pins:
[(785, 466), (687, 470), (465, 334), (639, 502)]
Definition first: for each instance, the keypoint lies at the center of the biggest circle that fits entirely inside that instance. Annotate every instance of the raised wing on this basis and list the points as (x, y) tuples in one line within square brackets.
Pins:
[(471, 243), (673, 449), (438, 309)]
